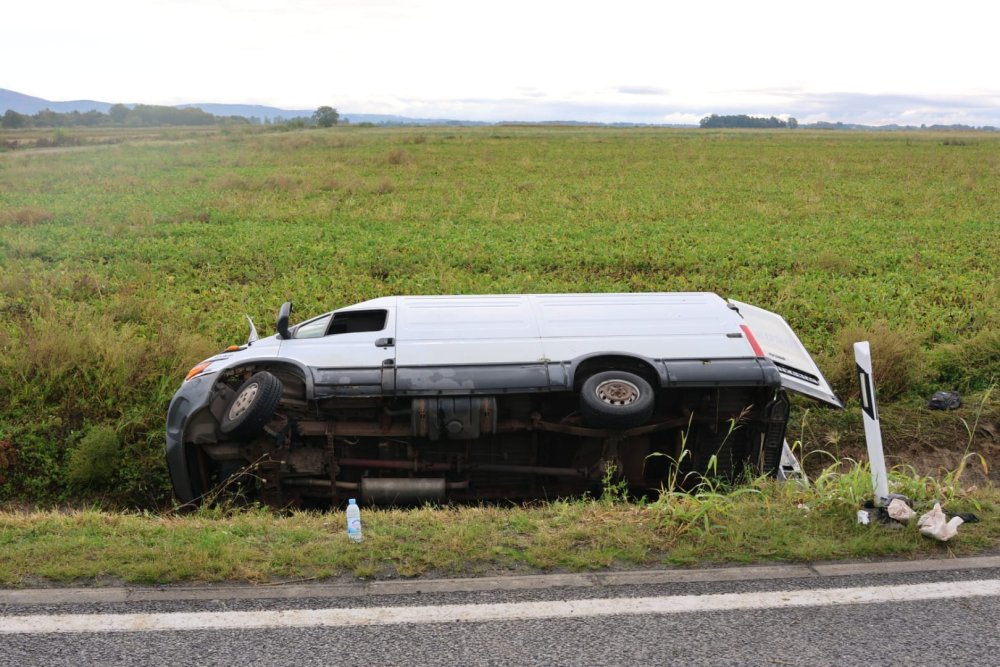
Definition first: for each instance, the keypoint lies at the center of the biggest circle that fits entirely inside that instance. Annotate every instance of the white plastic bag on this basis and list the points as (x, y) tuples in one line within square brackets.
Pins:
[(900, 511), (935, 524)]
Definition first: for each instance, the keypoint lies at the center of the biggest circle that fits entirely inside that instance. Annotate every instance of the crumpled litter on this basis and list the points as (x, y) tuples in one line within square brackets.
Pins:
[(967, 517), (900, 511), (935, 524), (873, 514)]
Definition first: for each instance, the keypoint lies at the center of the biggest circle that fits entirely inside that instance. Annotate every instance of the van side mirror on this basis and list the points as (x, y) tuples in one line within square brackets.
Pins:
[(283, 313)]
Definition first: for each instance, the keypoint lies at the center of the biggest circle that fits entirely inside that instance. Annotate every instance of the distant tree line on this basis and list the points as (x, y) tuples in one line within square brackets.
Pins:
[(716, 121), (142, 115), (742, 120), (149, 115)]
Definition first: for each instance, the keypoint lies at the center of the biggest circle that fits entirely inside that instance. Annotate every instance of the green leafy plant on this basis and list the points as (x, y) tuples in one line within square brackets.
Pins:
[(93, 462)]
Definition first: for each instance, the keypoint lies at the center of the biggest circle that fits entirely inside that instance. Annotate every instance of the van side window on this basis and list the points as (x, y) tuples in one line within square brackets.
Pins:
[(314, 328), (357, 321)]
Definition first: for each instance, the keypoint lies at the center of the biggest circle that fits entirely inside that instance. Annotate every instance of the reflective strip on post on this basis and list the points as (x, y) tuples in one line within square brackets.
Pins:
[(873, 432)]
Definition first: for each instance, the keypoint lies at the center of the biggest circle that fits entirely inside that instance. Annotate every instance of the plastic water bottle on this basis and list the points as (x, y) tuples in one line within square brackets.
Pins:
[(353, 521)]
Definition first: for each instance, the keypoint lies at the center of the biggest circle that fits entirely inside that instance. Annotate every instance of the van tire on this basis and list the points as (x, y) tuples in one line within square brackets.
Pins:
[(616, 400), (252, 407)]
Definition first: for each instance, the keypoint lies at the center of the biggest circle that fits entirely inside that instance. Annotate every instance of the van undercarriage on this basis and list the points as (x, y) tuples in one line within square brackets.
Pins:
[(398, 450)]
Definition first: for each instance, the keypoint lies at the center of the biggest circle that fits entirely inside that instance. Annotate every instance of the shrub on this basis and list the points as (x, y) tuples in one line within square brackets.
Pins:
[(397, 156), (25, 217), (231, 182), (384, 186), (8, 457), (279, 183), (94, 460), (897, 361), (972, 364), (831, 261)]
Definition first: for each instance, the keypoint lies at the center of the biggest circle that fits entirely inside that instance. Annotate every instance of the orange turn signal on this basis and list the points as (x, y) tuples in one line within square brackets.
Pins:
[(197, 369), (232, 348)]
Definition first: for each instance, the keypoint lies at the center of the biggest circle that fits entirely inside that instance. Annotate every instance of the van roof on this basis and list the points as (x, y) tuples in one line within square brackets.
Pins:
[(620, 298)]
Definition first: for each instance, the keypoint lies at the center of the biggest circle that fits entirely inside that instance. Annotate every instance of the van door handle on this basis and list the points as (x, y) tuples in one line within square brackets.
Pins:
[(385, 342)]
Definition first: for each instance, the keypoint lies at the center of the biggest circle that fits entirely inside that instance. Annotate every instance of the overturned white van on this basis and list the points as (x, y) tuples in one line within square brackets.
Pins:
[(425, 398)]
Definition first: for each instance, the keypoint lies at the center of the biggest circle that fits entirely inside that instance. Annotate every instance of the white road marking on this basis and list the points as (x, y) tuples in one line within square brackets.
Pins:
[(472, 613)]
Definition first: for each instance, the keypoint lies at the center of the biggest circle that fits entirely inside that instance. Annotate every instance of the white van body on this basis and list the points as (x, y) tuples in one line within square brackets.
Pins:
[(487, 373)]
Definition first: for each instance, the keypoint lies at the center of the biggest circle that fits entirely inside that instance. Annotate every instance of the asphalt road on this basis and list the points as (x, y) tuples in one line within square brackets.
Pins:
[(790, 616)]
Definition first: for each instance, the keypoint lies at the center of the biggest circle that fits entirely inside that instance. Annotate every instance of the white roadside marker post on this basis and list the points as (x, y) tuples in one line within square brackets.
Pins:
[(873, 432)]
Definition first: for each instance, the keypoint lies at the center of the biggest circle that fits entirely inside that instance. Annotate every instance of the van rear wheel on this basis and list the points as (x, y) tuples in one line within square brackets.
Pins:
[(616, 400)]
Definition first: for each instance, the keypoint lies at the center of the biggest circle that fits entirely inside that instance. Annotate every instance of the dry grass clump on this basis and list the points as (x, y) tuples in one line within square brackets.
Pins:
[(899, 361), (981, 352), (186, 215), (348, 184), (383, 186), (280, 182), (297, 143), (831, 261), (397, 156), (25, 217), (231, 182)]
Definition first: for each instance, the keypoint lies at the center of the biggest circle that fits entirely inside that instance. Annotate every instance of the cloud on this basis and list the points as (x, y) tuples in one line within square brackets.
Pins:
[(643, 90)]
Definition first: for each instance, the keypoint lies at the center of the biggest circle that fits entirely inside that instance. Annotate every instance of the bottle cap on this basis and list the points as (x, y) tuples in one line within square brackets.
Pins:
[(351, 502)]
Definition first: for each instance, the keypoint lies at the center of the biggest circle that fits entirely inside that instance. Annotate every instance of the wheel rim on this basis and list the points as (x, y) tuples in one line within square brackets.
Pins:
[(617, 392), (243, 401)]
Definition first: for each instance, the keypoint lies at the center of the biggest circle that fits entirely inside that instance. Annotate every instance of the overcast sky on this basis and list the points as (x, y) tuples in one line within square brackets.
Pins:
[(619, 60)]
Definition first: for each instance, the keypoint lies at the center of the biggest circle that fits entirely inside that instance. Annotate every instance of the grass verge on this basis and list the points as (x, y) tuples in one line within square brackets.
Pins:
[(763, 521)]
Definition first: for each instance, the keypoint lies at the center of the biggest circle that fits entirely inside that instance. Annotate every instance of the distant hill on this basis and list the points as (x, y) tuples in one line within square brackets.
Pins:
[(821, 125), (259, 111), (586, 123), (29, 105), (249, 110)]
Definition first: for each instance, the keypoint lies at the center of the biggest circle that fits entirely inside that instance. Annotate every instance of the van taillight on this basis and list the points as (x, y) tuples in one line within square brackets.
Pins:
[(753, 341)]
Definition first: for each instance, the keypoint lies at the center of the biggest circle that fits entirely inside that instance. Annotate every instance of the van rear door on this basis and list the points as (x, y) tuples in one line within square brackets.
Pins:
[(799, 373)]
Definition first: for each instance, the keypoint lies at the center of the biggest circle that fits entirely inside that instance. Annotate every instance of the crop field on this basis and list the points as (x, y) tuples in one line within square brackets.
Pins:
[(121, 267)]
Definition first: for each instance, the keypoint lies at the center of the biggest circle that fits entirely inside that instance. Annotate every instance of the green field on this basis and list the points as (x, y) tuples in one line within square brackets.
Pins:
[(122, 266)]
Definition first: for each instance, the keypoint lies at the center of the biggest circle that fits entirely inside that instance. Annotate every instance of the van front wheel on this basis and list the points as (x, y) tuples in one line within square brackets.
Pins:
[(252, 406), (617, 400)]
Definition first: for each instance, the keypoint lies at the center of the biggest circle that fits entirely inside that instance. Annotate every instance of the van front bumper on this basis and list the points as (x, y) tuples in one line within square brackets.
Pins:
[(192, 397)]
